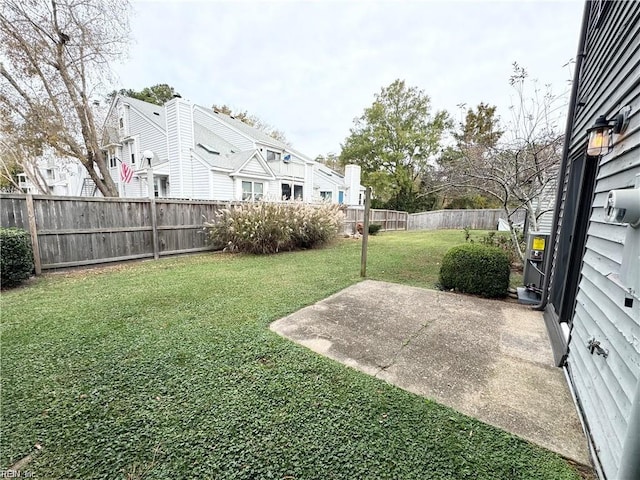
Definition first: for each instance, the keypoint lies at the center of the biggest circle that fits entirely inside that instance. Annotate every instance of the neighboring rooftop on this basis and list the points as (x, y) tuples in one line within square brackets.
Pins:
[(152, 111), (216, 151)]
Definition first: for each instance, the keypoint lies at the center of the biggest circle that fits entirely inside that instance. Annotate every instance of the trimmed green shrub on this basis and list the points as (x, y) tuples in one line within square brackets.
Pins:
[(374, 228), (477, 269), (264, 228), (16, 257)]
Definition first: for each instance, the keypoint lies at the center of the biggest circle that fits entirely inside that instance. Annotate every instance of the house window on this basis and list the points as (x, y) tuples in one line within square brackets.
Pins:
[(160, 186), (133, 158), (22, 180), (252, 191), (113, 163), (326, 196), (121, 122), (273, 156), (288, 190), (50, 174)]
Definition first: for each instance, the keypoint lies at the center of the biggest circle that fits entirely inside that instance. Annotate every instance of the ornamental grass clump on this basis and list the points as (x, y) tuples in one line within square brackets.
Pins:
[(264, 228)]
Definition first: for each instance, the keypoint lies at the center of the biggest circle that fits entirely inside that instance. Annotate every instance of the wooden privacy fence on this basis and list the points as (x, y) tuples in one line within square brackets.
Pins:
[(74, 231), (388, 219), (475, 219)]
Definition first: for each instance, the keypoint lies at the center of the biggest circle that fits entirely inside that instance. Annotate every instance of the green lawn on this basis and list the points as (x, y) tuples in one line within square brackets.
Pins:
[(167, 369)]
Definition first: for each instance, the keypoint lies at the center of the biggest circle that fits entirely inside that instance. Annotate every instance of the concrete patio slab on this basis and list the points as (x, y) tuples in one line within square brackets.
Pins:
[(485, 358)]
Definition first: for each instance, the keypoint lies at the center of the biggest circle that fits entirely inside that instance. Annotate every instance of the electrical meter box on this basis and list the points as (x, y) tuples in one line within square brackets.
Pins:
[(536, 255)]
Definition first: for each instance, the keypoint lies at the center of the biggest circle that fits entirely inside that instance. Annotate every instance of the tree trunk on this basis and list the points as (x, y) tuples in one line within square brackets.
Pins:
[(514, 235)]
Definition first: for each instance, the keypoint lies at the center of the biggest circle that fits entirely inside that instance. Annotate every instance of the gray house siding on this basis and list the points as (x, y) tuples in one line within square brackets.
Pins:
[(609, 79), (179, 120), (200, 180), (324, 182), (151, 136), (544, 204), (221, 186)]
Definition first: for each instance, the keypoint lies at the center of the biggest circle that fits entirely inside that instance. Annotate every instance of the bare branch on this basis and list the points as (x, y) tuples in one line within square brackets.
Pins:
[(56, 54), (514, 168)]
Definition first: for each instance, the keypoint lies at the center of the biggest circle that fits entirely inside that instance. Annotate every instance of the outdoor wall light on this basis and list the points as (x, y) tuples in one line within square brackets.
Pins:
[(602, 132), (148, 156)]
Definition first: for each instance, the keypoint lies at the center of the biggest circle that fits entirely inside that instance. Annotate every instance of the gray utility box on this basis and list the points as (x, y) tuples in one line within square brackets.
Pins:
[(535, 262)]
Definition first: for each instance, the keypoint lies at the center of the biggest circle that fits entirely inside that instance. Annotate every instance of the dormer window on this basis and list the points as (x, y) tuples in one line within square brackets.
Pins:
[(273, 156)]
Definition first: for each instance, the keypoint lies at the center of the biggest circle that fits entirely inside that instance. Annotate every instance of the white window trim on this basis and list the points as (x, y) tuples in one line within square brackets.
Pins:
[(277, 155), (292, 185), (253, 190)]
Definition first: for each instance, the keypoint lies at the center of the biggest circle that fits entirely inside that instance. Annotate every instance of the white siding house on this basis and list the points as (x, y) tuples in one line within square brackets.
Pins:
[(60, 176), (200, 153)]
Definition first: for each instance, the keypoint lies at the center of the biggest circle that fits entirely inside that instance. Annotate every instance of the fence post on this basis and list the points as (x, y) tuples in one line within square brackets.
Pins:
[(154, 228), (148, 154), (365, 233), (35, 245)]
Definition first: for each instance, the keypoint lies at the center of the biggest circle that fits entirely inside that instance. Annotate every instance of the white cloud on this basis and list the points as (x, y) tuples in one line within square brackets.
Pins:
[(309, 68)]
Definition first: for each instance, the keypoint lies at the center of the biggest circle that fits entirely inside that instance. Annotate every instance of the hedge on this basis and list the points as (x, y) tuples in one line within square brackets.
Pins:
[(16, 257), (476, 269)]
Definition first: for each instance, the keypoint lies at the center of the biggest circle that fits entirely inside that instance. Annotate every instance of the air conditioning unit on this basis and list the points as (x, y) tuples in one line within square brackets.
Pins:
[(536, 257)]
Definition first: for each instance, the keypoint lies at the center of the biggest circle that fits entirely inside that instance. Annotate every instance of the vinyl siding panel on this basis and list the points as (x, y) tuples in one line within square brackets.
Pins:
[(605, 232), (179, 120), (151, 137), (322, 183), (544, 204), (173, 152), (609, 69), (254, 167), (221, 186), (582, 363), (288, 170), (610, 80), (218, 127), (293, 168), (200, 188), (135, 188), (327, 183), (619, 366), (607, 249)]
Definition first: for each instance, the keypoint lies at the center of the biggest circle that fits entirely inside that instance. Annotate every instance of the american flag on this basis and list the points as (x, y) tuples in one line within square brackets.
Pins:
[(126, 172)]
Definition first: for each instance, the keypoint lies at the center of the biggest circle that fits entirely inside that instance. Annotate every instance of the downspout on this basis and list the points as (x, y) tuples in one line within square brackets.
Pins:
[(630, 460), (565, 152)]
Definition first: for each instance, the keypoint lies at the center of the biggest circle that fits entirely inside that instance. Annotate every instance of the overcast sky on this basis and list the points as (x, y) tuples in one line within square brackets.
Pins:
[(310, 68)]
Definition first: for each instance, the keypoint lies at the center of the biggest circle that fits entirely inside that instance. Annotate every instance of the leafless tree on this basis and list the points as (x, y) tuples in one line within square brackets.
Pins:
[(253, 121), (515, 163), (13, 157), (54, 61)]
